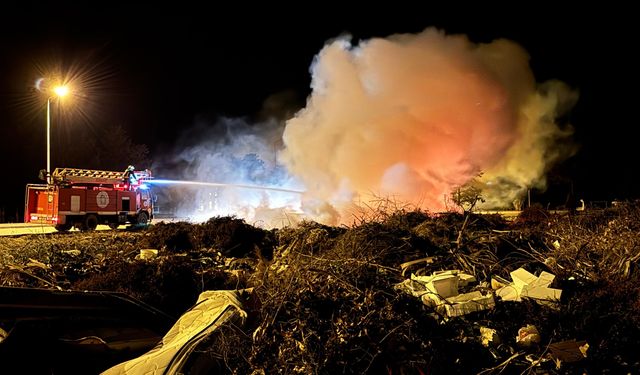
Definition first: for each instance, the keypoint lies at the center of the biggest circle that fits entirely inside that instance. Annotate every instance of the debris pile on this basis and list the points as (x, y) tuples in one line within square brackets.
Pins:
[(406, 292)]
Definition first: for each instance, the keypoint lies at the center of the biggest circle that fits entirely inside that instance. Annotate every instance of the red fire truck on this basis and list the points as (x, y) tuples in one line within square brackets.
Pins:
[(84, 198)]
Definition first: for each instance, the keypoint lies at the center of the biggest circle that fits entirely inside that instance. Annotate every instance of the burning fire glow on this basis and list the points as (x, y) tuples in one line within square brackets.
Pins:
[(408, 118)]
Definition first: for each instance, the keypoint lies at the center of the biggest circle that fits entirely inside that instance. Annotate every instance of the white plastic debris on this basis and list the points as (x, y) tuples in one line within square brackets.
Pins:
[(440, 291), (444, 284), (466, 279), (521, 278), (528, 336), (525, 284), (466, 303), (407, 265), (489, 337), (412, 287), (147, 254), (498, 282)]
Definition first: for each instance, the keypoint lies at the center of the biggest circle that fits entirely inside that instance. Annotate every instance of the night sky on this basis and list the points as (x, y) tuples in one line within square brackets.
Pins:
[(156, 70)]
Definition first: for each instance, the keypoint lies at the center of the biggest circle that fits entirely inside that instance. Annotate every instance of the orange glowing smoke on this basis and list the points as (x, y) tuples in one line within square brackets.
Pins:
[(412, 117)]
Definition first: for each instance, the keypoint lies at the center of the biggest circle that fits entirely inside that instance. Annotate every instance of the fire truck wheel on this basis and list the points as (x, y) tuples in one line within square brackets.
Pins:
[(143, 218), (63, 227), (90, 222)]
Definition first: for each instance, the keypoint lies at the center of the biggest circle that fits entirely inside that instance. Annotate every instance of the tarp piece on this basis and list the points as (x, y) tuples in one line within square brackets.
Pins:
[(212, 310)]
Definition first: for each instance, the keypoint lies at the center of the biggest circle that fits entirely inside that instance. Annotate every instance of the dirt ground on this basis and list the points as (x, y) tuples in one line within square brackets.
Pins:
[(327, 300)]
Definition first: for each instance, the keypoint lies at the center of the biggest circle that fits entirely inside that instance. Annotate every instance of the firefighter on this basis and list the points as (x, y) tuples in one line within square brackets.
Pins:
[(130, 175)]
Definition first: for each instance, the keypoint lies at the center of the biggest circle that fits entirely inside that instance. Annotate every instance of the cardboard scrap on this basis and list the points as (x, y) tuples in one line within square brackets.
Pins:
[(569, 351)]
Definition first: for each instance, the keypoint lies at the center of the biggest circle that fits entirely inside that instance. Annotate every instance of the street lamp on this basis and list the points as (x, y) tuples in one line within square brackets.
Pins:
[(59, 91)]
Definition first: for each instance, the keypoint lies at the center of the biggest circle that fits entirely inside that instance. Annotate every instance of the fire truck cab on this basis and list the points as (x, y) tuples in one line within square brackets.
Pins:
[(84, 198)]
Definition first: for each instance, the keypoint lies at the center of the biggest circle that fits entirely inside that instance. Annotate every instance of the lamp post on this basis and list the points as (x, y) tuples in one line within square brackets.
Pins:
[(59, 91)]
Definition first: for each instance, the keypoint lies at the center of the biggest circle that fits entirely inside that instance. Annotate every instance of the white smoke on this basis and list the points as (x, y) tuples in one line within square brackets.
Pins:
[(408, 117), (415, 116), (235, 153)]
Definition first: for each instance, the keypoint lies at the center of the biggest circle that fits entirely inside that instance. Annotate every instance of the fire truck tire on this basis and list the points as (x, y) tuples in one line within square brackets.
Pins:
[(143, 219), (90, 222), (63, 227)]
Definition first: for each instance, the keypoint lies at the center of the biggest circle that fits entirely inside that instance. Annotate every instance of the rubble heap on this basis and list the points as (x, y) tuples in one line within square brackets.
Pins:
[(407, 293)]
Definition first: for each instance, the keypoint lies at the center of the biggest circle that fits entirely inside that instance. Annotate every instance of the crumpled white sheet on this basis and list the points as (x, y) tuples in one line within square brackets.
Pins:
[(212, 309)]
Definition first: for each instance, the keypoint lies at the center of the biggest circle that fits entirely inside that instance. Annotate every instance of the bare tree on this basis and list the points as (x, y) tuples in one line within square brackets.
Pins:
[(116, 150), (466, 197)]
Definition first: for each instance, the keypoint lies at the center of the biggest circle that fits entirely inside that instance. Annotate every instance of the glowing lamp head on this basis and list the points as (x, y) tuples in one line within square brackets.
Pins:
[(61, 90)]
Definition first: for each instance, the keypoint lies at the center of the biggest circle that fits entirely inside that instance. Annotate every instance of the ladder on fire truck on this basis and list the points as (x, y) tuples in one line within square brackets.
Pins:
[(87, 176)]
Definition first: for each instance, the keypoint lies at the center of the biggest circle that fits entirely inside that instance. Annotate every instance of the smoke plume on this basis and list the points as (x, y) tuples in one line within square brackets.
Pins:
[(408, 118), (413, 117), (233, 155)]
